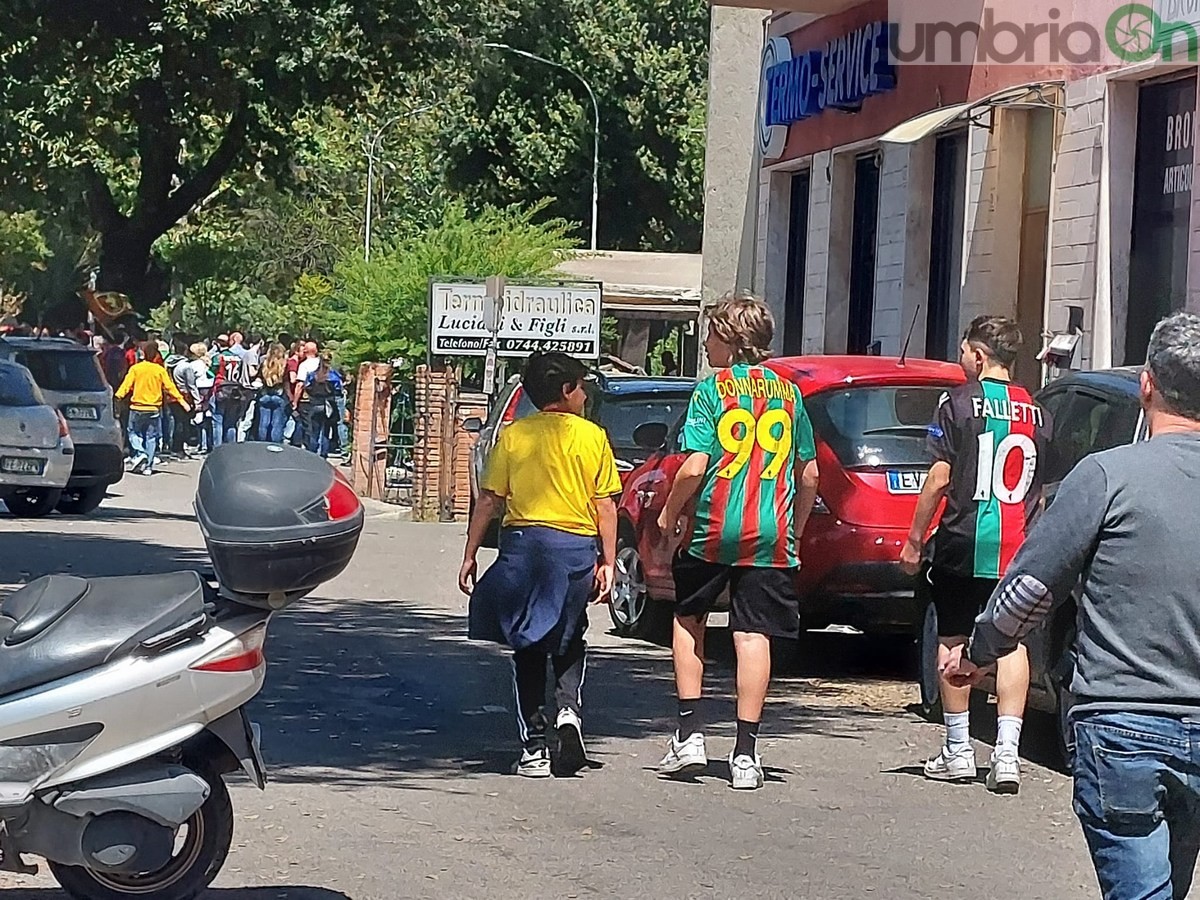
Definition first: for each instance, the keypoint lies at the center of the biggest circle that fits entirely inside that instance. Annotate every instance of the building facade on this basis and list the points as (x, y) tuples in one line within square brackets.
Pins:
[(896, 200)]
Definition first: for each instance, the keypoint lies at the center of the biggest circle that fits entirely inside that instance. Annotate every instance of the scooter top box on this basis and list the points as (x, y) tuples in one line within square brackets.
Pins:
[(278, 521)]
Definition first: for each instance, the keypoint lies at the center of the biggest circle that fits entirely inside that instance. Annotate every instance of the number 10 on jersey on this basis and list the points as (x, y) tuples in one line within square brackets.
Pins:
[(740, 433), (993, 460)]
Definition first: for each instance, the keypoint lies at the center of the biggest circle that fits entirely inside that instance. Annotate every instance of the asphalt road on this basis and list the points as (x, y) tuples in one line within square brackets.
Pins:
[(389, 738)]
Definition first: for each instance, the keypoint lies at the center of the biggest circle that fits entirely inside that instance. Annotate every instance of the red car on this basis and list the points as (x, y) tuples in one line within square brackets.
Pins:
[(870, 416)]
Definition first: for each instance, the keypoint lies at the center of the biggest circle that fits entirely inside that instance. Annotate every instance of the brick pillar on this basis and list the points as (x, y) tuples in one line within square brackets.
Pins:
[(372, 423), (430, 386), (469, 406), (446, 452)]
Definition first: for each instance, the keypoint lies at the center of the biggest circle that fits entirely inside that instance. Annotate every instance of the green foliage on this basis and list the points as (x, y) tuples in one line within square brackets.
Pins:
[(309, 305), (215, 305), (221, 146), (526, 131), (23, 251), (669, 343), (380, 308), (148, 104)]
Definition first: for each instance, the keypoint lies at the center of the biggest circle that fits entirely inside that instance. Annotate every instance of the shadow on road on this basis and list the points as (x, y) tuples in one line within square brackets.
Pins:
[(371, 691), (364, 691), (282, 892), (116, 513), (30, 554)]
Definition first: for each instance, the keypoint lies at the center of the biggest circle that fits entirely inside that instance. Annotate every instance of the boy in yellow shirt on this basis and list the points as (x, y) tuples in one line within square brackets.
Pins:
[(555, 475), (149, 386)]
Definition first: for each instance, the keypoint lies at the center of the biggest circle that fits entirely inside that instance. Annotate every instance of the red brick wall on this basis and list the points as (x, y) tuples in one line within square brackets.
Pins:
[(372, 418)]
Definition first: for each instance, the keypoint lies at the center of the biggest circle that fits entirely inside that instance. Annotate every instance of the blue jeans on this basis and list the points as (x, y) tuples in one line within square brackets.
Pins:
[(144, 430), (343, 428), (272, 416), (316, 429), (1137, 796), (227, 413)]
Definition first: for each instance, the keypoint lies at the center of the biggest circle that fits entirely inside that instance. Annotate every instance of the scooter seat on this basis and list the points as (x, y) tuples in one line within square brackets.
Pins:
[(60, 625)]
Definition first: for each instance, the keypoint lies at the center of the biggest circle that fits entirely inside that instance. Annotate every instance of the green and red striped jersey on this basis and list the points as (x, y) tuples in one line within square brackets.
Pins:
[(994, 437), (753, 426)]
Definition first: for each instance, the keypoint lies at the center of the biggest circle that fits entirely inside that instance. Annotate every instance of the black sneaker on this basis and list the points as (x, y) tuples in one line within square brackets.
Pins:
[(571, 753)]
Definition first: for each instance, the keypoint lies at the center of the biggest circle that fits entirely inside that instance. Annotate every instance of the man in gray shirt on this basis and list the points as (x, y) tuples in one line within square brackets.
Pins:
[(1126, 522)]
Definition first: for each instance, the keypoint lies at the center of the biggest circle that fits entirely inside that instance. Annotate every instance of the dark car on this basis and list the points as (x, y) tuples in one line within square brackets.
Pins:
[(619, 404), (1091, 412)]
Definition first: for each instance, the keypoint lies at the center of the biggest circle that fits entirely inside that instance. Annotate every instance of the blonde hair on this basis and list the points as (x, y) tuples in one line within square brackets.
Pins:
[(744, 322), (274, 366), (198, 350)]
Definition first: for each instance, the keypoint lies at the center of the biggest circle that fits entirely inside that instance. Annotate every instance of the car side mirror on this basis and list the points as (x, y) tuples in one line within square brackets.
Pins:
[(473, 425), (650, 435)]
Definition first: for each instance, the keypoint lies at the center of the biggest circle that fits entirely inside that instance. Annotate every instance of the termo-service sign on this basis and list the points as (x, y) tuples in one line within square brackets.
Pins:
[(565, 318)]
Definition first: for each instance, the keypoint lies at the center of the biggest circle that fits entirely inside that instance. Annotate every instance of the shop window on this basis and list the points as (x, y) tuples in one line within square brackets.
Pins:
[(1162, 205)]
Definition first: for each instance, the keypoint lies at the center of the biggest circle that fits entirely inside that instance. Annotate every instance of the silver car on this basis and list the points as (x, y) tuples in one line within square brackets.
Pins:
[(71, 380), (36, 452)]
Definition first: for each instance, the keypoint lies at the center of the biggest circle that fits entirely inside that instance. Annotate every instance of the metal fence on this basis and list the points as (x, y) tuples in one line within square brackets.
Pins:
[(401, 441)]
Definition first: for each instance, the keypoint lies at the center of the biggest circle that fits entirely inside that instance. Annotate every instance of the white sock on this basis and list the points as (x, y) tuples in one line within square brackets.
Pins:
[(958, 732), (1008, 732)]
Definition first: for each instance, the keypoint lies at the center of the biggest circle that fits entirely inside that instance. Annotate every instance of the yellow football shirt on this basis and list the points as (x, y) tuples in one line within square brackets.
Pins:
[(551, 468)]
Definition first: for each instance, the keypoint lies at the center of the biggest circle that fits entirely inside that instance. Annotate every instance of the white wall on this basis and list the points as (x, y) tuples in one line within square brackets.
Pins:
[(992, 224), (1075, 212), (770, 283), (731, 158), (902, 253), (817, 263)]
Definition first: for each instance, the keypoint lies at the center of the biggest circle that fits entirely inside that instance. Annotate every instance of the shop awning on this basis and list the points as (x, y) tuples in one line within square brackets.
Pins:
[(1038, 95)]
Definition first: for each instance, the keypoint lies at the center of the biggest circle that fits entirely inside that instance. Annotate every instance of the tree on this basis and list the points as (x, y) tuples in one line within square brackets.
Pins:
[(23, 251), (144, 106), (381, 308), (525, 131)]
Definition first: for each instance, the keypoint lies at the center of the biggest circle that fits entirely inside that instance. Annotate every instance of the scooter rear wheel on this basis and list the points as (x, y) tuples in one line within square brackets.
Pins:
[(199, 854)]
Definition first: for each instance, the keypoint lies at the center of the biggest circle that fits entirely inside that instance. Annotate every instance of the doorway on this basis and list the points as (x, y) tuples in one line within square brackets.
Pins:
[(1162, 203), (864, 232), (946, 245), (797, 271)]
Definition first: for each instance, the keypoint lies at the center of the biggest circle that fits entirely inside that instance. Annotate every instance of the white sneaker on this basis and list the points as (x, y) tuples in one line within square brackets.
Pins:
[(684, 757), (534, 763), (957, 767), (139, 463), (747, 772), (571, 753), (1004, 777)]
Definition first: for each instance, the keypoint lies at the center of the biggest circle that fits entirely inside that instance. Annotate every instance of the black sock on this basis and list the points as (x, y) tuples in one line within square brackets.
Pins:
[(747, 739), (689, 719)]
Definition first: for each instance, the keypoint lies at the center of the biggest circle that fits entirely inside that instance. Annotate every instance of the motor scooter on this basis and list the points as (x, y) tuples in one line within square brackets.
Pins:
[(123, 700)]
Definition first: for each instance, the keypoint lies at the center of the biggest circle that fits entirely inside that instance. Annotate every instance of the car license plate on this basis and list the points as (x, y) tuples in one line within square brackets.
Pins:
[(21, 465), (906, 482), (82, 413)]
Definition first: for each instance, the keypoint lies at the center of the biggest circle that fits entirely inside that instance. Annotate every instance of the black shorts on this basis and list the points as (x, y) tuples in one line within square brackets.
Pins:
[(761, 600), (959, 599)]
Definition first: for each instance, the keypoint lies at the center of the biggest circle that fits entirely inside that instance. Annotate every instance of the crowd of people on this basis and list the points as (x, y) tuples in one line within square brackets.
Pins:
[(193, 396)]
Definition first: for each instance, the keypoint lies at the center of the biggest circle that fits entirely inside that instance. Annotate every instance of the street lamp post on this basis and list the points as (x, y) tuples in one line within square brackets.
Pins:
[(596, 124), (372, 145)]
